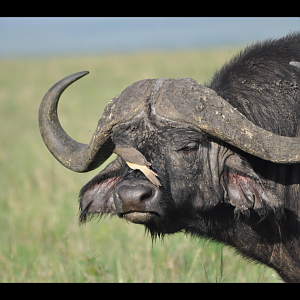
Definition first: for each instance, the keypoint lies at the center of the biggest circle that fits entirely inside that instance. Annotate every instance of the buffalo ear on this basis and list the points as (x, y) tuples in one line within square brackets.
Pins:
[(96, 197), (245, 190)]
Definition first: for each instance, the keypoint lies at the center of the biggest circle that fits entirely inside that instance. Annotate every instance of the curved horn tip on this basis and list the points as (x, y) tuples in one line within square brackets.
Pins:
[(80, 74), (75, 76), (83, 73), (65, 82)]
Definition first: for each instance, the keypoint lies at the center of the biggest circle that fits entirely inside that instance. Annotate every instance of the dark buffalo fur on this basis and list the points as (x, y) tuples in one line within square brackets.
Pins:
[(209, 188)]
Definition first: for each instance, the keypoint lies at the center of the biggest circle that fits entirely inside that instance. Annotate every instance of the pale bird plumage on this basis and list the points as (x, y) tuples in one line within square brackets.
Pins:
[(136, 161), (151, 175)]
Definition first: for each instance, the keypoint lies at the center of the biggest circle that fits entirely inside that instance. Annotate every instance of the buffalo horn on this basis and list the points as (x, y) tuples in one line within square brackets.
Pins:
[(229, 125), (216, 117), (73, 155)]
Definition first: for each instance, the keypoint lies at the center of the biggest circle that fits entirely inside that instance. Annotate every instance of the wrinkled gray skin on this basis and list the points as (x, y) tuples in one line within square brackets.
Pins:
[(223, 176)]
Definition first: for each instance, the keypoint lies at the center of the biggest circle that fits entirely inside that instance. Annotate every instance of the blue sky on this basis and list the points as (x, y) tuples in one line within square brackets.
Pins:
[(68, 36)]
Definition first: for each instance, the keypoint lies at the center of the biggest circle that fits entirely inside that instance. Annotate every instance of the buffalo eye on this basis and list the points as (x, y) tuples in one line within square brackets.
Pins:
[(189, 148)]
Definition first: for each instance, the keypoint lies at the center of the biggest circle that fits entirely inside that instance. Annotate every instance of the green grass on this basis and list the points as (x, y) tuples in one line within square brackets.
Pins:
[(40, 239)]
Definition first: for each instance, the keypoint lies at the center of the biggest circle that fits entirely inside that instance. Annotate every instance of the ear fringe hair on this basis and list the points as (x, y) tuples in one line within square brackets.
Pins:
[(86, 216)]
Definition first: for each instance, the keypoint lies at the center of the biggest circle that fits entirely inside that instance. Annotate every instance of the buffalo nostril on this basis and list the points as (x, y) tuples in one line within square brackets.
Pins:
[(137, 193), (147, 195)]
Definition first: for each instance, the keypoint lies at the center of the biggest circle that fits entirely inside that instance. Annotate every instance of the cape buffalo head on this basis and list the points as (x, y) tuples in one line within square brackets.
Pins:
[(177, 132)]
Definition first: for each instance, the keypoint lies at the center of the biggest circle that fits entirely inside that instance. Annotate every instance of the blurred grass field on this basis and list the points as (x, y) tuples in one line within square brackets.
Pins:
[(40, 239)]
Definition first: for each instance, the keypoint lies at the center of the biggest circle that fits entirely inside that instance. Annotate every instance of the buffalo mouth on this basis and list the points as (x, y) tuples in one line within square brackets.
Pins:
[(139, 217)]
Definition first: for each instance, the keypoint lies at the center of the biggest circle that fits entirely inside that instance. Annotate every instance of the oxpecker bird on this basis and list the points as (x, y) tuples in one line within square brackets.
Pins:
[(137, 161)]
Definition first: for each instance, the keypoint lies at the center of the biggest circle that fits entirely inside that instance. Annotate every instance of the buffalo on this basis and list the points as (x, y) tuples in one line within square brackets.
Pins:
[(220, 161)]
